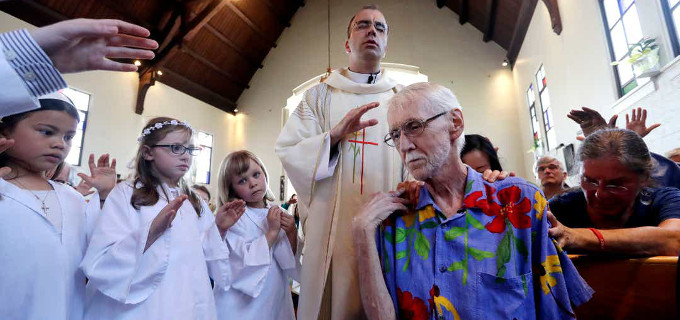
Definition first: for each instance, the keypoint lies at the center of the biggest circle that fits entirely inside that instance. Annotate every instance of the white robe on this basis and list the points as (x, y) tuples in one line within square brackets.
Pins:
[(39, 277), (331, 190), (168, 281), (260, 287)]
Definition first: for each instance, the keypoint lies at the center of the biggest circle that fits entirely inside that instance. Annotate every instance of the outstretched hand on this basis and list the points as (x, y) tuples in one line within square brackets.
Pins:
[(637, 122), (163, 220), (352, 122), (102, 175), (590, 120), (88, 44), (4, 145), (227, 215)]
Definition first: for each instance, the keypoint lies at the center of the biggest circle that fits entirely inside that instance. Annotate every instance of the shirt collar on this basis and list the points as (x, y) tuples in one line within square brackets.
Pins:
[(363, 77), (473, 183)]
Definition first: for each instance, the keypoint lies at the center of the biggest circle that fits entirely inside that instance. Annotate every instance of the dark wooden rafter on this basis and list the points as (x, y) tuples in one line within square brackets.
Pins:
[(441, 3), (251, 24), (146, 81), (490, 24), (555, 19), (464, 11), (279, 16), (213, 66), (127, 14), (204, 94), (32, 12), (526, 12), (233, 45), (186, 32)]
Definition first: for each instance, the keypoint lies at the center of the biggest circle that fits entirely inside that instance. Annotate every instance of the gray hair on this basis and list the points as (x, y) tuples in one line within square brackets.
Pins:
[(673, 153), (434, 97), (547, 159), (625, 145)]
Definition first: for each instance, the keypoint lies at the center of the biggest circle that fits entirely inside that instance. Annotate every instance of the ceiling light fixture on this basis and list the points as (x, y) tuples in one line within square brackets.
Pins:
[(138, 63), (505, 62)]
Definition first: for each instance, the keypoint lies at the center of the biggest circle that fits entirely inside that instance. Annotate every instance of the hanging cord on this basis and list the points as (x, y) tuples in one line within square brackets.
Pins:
[(328, 69)]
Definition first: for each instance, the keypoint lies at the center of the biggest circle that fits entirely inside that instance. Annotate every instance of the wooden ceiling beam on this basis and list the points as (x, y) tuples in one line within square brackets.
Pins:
[(199, 92), (232, 45), (490, 25), (526, 11), (214, 67), (441, 3), (464, 11), (251, 24), (186, 32), (279, 16), (555, 19), (32, 12), (127, 15)]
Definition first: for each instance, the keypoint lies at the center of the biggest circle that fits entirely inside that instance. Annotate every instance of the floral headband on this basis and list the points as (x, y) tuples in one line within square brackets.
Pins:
[(158, 125)]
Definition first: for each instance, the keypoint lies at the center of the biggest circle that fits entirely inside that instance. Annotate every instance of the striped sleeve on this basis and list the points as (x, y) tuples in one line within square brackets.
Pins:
[(31, 63)]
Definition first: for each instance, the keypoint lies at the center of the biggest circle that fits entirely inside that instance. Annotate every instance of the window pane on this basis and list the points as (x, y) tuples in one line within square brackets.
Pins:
[(205, 139), (611, 9), (676, 20), (625, 71), (619, 42), (77, 141), (631, 23), (540, 78), (73, 157), (629, 87), (545, 100), (626, 3), (531, 97), (80, 99), (671, 3), (552, 140)]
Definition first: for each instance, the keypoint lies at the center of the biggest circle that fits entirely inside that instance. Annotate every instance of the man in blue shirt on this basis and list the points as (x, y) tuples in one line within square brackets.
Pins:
[(462, 248)]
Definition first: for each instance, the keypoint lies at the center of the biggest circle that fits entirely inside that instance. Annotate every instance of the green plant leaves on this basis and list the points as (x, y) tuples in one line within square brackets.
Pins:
[(473, 222), (422, 246), (479, 254), (503, 253), (453, 233)]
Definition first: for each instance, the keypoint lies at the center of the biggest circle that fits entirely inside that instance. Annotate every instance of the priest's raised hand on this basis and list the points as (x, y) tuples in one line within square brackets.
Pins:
[(352, 122)]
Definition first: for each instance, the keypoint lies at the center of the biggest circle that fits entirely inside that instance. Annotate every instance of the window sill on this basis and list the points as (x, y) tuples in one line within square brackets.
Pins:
[(642, 91)]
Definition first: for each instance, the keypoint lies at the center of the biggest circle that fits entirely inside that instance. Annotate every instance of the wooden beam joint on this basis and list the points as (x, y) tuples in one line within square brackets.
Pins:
[(555, 19), (146, 81)]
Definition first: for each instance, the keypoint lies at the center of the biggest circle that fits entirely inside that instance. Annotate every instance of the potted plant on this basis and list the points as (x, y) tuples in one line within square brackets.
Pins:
[(644, 57)]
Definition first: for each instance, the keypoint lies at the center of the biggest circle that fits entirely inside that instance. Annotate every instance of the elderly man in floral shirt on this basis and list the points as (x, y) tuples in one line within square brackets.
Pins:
[(460, 247)]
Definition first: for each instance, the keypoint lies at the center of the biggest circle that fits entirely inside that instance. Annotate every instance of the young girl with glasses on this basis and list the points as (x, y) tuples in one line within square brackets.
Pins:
[(44, 225), (157, 242), (263, 244)]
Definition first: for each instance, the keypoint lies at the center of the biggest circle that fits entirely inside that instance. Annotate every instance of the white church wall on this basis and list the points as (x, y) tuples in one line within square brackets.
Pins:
[(113, 126), (420, 35), (578, 70)]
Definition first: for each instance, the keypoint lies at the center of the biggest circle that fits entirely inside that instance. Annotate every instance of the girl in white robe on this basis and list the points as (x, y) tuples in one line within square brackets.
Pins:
[(261, 244), (156, 243), (44, 225)]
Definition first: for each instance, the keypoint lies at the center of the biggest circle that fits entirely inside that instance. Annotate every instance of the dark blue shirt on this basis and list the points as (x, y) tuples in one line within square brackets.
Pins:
[(652, 206)]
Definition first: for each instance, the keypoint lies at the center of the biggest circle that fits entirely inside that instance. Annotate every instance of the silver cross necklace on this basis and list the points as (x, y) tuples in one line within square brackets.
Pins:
[(44, 207)]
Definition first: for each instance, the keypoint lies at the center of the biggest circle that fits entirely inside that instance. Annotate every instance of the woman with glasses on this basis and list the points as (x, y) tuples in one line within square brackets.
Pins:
[(618, 210)]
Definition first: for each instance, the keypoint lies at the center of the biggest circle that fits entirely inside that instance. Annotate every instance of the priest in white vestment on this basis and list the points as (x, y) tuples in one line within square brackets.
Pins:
[(334, 153)]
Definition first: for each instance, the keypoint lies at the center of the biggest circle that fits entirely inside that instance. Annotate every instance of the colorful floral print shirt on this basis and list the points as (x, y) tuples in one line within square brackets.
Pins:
[(491, 260)]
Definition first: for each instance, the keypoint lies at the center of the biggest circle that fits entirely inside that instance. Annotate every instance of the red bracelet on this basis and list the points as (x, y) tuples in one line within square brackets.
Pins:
[(599, 237)]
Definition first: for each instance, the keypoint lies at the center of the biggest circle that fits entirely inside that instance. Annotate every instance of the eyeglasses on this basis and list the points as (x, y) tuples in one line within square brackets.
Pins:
[(411, 128), (179, 149), (552, 167), (592, 185), (365, 24)]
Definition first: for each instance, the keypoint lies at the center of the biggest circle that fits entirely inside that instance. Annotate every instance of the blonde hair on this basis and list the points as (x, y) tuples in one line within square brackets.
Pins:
[(145, 174), (234, 164)]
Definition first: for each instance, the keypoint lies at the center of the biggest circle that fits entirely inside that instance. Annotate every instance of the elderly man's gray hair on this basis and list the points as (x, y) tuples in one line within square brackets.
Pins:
[(433, 97), (547, 159)]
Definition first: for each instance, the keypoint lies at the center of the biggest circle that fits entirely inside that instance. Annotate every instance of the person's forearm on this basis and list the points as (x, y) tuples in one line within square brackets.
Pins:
[(292, 239), (374, 295), (646, 241)]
